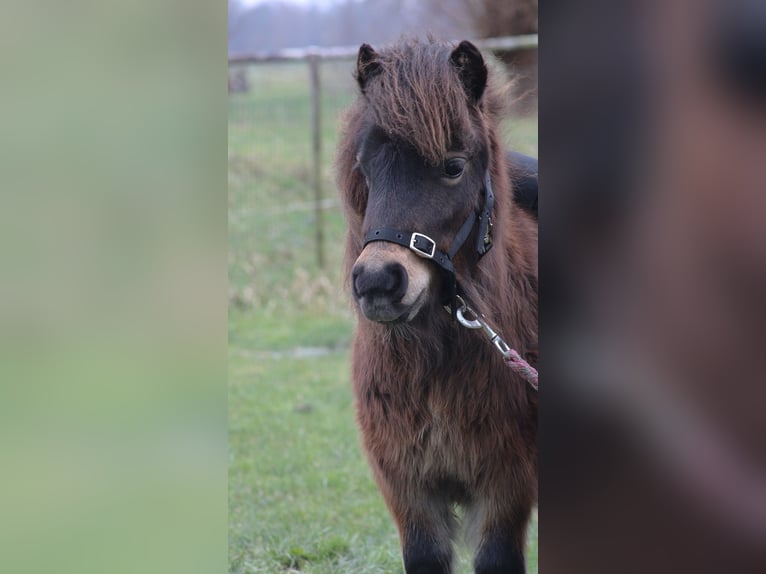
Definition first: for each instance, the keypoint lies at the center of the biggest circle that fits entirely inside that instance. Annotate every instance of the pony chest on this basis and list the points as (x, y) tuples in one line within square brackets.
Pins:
[(438, 432), (442, 447), (415, 417), (443, 434)]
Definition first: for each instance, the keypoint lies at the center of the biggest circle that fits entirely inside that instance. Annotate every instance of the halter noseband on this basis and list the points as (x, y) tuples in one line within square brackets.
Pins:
[(423, 246)]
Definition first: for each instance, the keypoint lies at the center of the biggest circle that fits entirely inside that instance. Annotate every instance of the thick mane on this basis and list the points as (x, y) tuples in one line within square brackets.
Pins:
[(418, 98)]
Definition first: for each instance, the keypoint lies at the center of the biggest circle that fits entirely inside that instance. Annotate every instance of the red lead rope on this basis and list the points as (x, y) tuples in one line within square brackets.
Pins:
[(521, 367)]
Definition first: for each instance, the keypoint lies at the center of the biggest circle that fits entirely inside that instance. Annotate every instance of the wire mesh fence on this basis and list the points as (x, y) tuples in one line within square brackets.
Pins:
[(274, 210)]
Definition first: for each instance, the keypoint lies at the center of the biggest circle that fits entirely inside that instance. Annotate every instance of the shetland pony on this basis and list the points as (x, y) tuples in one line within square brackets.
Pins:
[(427, 195)]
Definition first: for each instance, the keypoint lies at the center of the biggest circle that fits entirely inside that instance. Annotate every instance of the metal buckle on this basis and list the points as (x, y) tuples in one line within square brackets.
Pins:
[(418, 251)]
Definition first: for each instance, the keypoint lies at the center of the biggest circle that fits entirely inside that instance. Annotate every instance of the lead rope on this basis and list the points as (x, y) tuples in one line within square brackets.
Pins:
[(470, 319)]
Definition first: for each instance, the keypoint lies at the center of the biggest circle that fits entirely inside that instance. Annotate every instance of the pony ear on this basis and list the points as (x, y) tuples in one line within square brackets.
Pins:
[(367, 65), (471, 69)]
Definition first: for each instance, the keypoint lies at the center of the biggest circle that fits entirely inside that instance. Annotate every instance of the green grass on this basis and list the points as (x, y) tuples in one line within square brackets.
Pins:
[(300, 493), (301, 497)]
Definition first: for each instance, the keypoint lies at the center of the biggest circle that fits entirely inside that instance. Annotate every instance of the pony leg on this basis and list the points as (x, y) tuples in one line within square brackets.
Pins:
[(424, 551), (426, 527), (500, 536), (501, 552)]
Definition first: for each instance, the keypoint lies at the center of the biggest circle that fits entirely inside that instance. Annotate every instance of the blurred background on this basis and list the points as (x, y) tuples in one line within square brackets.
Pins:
[(267, 25), (300, 494), (653, 271), (114, 301), (113, 296)]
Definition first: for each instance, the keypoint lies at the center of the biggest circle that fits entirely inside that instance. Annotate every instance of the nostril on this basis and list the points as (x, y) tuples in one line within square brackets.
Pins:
[(397, 280), (356, 272), (390, 281)]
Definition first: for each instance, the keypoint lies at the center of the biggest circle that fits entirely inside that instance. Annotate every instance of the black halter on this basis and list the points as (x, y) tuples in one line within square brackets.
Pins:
[(425, 247)]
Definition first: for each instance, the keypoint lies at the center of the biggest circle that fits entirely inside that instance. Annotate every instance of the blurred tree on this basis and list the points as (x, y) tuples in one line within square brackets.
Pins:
[(493, 18), (503, 17), (237, 77), (488, 18)]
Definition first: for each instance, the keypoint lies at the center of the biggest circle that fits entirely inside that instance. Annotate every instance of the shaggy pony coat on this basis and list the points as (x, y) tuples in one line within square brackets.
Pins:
[(443, 421)]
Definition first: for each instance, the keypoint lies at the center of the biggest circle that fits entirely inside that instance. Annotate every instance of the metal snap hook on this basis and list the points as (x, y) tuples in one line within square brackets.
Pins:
[(473, 323), (511, 357)]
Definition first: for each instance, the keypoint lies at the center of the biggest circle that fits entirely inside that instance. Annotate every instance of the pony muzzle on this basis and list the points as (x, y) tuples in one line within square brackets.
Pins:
[(389, 283)]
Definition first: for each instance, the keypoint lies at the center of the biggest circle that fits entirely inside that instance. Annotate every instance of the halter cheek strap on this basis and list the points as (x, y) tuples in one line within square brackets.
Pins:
[(484, 237), (423, 246)]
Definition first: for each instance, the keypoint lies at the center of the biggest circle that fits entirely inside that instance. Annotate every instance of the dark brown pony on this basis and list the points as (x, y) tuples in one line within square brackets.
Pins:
[(443, 420)]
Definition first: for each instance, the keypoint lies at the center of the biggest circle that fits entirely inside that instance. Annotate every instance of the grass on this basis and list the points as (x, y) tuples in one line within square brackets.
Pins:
[(300, 495), (301, 498)]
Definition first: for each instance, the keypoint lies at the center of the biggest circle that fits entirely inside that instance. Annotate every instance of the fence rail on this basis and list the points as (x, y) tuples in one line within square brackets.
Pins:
[(505, 43)]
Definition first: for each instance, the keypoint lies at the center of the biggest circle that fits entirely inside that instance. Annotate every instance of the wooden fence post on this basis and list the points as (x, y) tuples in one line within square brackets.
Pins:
[(316, 147)]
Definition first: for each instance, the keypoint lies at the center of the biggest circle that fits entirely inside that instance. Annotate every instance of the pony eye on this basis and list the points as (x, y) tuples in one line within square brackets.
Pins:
[(453, 167)]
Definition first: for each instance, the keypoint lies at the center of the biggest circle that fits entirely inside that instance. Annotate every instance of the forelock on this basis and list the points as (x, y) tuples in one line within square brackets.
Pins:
[(417, 98)]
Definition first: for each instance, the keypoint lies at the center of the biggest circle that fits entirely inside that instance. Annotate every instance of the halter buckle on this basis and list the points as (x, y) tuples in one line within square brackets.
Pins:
[(426, 251)]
